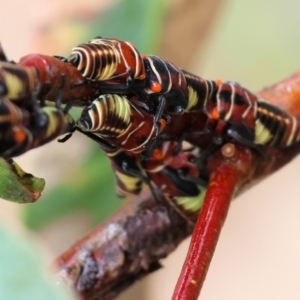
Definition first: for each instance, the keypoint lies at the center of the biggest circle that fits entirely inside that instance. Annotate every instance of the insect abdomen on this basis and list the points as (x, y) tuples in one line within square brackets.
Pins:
[(107, 59), (275, 127), (109, 115)]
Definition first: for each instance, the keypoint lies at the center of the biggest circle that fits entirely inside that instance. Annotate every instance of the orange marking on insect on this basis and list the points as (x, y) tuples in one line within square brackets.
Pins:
[(218, 81), (215, 114), (157, 154), (163, 123), (142, 76), (19, 136), (155, 87)]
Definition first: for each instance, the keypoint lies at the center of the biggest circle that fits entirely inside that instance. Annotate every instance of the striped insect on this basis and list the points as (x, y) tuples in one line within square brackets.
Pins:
[(51, 72), (108, 60), (122, 123), (127, 169), (21, 133), (251, 121), (118, 67), (22, 130), (11, 115), (19, 81)]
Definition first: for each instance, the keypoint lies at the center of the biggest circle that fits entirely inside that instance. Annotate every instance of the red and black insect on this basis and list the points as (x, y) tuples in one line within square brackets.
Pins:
[(252, 121), (21, 133), (108, 60), (176, 177), (18, 81), (11, 115), (175, 174), (127, 169), (51, 72), (22, 129), (121, 123)]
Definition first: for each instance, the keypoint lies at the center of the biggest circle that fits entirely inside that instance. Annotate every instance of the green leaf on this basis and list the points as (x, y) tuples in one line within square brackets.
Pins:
[(23, 272), (17, 185)]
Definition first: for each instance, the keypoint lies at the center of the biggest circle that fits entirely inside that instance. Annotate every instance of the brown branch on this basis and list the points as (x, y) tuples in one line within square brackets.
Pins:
[(123, 249), (130, 244)]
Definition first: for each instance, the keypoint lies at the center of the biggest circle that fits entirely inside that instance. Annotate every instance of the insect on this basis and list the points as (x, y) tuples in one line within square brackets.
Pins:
[(120, 122), (252, 121), (19, 81), (177, 176), (174, 176), (108, 59), (51, 72), (19, 138), (11, 115), (128, 173), (22, 130)]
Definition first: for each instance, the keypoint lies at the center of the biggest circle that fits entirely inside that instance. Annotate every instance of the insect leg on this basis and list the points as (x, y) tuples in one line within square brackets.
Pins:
[(145, 179)]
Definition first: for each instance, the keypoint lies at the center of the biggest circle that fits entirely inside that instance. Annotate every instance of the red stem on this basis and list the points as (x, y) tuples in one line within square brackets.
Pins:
[(221, 188)]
